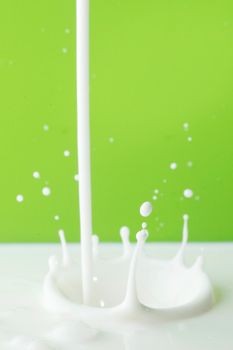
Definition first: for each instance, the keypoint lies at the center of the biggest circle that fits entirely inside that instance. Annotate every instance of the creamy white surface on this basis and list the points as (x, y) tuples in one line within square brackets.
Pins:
[(25, 324)]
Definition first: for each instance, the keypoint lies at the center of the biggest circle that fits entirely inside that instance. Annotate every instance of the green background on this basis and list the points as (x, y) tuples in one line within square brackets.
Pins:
[(154, 66)]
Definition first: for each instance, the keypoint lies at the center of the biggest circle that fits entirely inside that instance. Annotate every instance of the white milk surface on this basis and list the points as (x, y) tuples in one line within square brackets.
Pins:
[(25, 324)]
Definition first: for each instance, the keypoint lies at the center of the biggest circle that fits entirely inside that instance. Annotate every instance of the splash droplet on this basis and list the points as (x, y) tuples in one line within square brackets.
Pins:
[(66, 153), (190, 164), (154, 198), (111, 139), (36, 175), (76, 177), (189, 138), (46, 191), (56, 217), (186, 126), (45, 127), (67, 30), (146, 209), (173, 166), (144, 225), (156, 191), (64, 50), (188, 193), (20, 198)]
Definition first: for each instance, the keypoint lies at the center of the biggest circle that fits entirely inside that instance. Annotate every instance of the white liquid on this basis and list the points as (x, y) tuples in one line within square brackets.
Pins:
[(84, 163), (24, 320), (131, 291)]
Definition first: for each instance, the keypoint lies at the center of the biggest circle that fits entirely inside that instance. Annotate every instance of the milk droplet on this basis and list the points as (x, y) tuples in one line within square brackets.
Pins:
[(56, 217), (142, 235), (154, 198), (76, 177), (20, 198), (66, 153), (146, 209), (164, 181), (189, 163), (67, 30), (111, 139), (190, 139), (144, 225), (188, 193), (46, 191), (36, 175), (64, 50), (186, 126), (156, 191), (124, 232), (46, 127), (173, 166)]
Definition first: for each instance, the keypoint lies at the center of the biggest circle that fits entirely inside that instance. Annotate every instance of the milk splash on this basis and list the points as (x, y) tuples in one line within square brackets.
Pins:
[(132, 291)]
